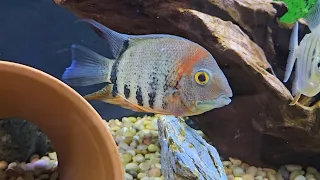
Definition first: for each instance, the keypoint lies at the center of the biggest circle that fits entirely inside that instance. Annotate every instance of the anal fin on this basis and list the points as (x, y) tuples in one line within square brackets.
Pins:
[(105, 95)]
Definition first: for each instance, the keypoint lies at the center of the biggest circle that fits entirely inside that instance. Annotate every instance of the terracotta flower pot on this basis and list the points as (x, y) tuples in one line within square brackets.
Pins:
[(85, 147)]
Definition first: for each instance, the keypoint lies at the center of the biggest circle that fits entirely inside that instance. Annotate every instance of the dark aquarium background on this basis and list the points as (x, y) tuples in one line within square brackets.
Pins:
[(39, 33)]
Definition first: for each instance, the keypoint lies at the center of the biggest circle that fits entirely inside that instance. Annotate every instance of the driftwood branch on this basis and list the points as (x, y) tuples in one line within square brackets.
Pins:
[(185, 154)]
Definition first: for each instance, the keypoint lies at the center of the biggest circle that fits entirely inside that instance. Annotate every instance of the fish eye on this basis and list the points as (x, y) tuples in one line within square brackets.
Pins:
[(201, 77)]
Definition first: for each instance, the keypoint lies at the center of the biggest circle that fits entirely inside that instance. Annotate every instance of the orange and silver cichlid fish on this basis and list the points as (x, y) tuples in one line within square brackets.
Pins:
[(154, 73)]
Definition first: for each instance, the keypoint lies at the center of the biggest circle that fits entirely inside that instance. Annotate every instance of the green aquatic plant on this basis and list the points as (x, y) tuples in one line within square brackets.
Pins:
[(296, 9)]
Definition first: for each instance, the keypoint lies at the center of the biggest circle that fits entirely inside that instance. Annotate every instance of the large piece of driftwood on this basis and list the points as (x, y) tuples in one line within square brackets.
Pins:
[(185, 154)]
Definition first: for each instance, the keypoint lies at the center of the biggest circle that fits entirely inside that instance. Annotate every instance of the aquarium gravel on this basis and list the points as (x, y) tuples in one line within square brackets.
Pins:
[(36, 169), (137, 140)]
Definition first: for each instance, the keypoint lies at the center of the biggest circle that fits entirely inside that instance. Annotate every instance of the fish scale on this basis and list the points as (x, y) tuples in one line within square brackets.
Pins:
[(140, 65)]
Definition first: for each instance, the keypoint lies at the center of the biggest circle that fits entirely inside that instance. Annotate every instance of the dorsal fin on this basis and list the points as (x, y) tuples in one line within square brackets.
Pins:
[(293, 44), (118, 42)]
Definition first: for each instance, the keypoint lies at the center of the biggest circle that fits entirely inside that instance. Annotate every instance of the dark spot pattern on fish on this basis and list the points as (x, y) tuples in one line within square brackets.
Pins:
[(153, 88), (126, 91), (164, 104), (139, 96), (114, 90), (165, 85), (312, 59), (124, 47), (113, 77), (114, 71), (152, 96)]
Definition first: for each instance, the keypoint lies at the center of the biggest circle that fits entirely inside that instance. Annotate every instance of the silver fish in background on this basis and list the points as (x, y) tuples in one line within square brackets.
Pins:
[(154, 73), (307, 74)]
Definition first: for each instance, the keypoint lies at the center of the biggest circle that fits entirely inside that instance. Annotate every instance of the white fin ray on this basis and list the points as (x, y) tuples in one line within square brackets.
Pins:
[(293, 44)]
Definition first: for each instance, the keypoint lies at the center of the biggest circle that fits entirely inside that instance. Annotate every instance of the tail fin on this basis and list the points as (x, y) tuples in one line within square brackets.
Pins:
[(87, 67)]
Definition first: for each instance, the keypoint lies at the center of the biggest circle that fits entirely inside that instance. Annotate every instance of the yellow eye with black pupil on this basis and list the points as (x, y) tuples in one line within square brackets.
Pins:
[(202, 77)]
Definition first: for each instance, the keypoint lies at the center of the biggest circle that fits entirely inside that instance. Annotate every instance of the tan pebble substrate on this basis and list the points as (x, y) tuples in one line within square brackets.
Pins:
[(137, 140), (37, 169)]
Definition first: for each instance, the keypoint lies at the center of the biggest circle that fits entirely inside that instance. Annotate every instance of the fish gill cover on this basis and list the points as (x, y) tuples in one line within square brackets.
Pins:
[(296, 9)]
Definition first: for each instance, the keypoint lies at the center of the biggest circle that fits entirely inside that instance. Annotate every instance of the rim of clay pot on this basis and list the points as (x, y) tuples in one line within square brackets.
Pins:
[(85, 147)]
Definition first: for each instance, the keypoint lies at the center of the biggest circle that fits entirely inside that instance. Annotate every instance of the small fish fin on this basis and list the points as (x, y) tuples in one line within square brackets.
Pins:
[(173, 96), (105, 95), (118, 42), (295, 99), (293, 44), (313, 17), (87, 67)]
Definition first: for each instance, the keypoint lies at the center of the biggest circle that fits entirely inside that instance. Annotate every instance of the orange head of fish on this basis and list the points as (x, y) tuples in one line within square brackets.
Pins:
[(202, 84)]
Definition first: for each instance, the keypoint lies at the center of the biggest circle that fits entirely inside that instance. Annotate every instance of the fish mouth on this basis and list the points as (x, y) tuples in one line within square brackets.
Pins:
[(208, 105)]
